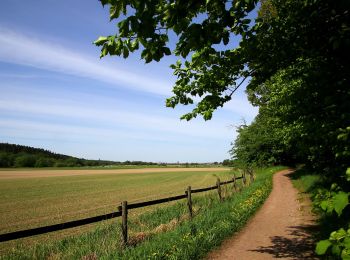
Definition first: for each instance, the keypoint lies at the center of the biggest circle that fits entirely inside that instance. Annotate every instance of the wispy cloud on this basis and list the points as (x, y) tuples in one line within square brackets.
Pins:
[(25, 128), (57, 94), (21, 49), (26, 50)]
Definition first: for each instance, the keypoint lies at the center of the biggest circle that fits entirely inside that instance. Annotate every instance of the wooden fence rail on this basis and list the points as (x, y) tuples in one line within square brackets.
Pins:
[(56, 227), (122, 212)]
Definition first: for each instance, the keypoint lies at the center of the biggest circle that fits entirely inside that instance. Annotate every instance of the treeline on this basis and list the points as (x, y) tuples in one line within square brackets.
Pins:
[(304, 104), (13, 155), (302, 91)]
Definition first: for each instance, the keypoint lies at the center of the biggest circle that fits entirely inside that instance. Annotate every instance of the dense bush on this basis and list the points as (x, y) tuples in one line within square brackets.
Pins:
[(25, 160), (44, 162), (5, 160)]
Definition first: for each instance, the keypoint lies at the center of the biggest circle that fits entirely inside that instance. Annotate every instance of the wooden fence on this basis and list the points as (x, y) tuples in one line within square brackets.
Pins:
[(123, 211)]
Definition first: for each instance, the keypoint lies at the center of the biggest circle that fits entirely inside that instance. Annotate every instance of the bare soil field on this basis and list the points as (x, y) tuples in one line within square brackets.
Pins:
[(30, 173)]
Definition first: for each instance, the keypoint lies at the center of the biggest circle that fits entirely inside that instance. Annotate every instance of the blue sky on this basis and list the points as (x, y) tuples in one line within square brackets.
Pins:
[(57, 94)]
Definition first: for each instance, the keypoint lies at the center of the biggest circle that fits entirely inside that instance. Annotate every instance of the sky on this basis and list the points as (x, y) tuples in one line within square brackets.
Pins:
[(57, 94)]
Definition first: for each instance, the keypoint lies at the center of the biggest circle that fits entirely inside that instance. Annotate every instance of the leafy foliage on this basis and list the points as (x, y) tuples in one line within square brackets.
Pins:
[(212, 69), (303, 111), (330, 202), (338, 243), (209, 71)]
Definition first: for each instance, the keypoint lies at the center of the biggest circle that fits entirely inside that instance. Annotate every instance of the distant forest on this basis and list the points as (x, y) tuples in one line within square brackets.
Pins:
[(13, 155)]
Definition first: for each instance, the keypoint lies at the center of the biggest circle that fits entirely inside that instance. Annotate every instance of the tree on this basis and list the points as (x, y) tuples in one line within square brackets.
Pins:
[(5, 159), (25, 160), (227, 162), (44, 162), (259, 144)]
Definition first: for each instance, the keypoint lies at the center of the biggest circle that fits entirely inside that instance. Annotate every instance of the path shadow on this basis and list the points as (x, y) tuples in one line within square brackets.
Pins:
[(298, 244)]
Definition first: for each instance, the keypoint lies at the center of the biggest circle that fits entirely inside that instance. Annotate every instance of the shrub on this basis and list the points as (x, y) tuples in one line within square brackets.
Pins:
[(25, 160)]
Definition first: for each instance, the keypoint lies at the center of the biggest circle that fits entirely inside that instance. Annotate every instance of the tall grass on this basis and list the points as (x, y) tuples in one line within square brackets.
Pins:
[(308, 183), (305, 181), (166, 233)]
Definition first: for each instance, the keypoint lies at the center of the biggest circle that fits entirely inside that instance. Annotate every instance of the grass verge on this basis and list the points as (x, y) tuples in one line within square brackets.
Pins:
[(311, 183), (305, 181), (308, 183), (165, 233)]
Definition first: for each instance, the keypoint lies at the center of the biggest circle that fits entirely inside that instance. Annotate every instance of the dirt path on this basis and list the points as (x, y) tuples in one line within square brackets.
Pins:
[(279, 230)]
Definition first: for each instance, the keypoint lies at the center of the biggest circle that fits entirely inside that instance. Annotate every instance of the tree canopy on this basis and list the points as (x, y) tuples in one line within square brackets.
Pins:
[(201, 29), (283, 32)]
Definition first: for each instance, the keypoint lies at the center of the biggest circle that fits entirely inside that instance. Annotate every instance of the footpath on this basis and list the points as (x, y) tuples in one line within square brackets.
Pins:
[(280, 229)]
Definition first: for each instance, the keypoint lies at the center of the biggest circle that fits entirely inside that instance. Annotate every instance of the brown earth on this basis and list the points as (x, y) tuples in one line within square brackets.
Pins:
[(281, 229), (30, 173)]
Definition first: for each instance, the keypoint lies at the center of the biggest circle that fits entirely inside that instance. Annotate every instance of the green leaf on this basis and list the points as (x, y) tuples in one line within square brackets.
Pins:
[(134, 45), (104, 2), (226, 38), (104, 52), (125, 52), (348, 174), (101, 40), (336, 250), (123, 27), (325, 204), (114, 11), (322, 246), (338, 235), (341, 200), (345, 255), (166, 51), (245, 21), (347, 242)]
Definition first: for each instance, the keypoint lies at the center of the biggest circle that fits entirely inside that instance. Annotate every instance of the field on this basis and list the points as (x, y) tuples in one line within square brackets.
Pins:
[(163, 232), (33, 198)]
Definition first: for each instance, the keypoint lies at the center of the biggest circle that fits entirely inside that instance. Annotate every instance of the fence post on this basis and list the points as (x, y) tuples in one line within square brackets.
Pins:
[(189, 201), (251, 175), (124, 209), (244, 178), (218, 184), (234, 182)]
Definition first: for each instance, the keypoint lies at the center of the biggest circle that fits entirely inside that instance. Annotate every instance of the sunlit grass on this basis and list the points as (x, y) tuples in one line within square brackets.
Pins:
[(33, 202)]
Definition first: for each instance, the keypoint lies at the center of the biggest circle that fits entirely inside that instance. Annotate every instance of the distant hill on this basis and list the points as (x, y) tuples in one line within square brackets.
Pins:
[(14, 155), (18, 149)]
